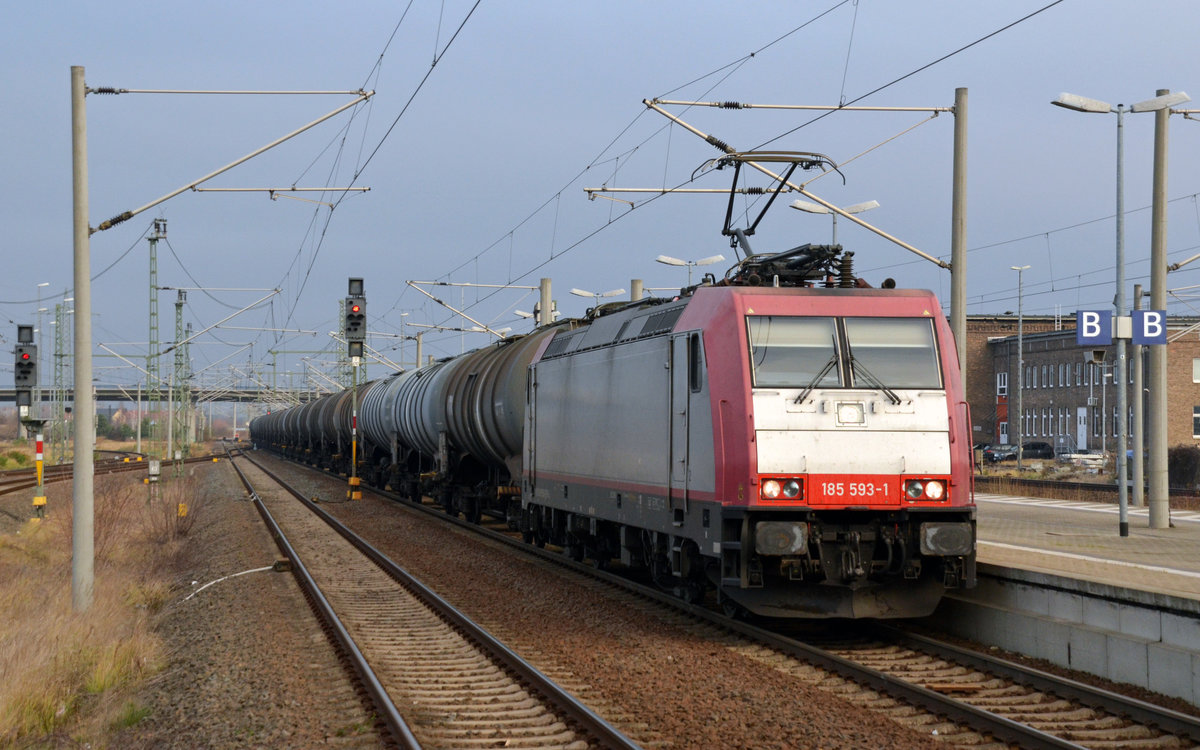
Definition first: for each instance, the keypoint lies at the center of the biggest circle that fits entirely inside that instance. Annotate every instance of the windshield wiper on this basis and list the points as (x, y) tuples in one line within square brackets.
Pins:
[(833, 358), (871, 379)]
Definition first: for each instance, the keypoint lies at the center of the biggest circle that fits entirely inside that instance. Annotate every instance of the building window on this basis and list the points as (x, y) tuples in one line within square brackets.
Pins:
[(1196, 421), (1004, 433), (1049, 381), (1195, 370), (1078, 373), (1045, 423), (1001, 384)]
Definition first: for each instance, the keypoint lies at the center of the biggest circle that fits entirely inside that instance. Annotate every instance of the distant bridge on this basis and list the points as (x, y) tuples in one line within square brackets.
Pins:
[(197, 395)]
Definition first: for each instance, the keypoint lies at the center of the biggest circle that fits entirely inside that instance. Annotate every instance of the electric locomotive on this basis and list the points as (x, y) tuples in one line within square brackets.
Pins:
[(804, 450)]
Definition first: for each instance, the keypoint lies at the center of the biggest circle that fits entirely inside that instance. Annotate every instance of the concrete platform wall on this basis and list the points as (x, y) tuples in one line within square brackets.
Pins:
[(1136, 637)]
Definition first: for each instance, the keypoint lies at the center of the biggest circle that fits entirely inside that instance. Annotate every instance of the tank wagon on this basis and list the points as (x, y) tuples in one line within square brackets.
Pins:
[(802, 447)]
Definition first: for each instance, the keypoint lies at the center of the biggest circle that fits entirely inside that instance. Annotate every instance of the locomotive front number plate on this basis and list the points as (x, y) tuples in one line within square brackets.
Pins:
[(863, 489)]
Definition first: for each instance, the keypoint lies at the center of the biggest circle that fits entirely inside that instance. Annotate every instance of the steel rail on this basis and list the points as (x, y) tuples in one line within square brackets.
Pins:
[(337, 631), (1171, 722), (573, 710)]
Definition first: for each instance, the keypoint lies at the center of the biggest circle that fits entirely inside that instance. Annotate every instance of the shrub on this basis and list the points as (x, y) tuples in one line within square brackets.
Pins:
[(1183, 466)]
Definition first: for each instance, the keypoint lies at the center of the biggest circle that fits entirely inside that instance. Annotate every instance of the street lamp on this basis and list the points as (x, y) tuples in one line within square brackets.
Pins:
[(597, 295), (1084, 104), (669, 261), (1020, 362), (816, 208)]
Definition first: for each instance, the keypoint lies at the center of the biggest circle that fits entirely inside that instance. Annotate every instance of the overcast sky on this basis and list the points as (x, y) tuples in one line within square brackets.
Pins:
[(477, 165)]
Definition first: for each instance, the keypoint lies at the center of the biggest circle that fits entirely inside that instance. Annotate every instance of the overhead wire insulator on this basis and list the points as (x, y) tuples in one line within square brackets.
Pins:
[(720, 144), (107, 90), (731, 105)]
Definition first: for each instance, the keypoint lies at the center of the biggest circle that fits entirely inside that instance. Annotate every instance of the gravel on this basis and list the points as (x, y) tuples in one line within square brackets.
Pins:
[(248, 665)]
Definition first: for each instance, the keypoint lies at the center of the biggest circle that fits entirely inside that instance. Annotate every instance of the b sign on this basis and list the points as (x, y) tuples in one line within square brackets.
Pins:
[(1149, 327), (1093, 327)]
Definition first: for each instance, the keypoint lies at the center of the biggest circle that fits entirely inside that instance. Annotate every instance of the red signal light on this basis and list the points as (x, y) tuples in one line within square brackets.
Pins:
[(24, 355), (354, 308)]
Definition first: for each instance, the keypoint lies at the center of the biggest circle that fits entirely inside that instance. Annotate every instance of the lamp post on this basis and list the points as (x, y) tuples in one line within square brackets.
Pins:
[(1083, 104), (597, 296), (669, 261), (816, 208), (1020, 362)]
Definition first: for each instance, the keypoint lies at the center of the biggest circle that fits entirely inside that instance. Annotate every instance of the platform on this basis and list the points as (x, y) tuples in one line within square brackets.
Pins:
[(1081, 540)]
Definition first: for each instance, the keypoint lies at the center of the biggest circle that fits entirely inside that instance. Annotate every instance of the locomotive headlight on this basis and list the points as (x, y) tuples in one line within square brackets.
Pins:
[(934, 490), (771, 489), (791, 488), (851, 412), (780, 537), (914, 488)]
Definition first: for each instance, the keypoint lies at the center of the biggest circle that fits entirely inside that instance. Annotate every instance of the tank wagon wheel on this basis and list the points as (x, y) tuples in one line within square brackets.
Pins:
[(472, 509), (445, 498)]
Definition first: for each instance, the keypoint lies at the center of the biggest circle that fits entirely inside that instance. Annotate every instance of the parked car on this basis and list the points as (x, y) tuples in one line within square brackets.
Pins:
[(996, 453), (1034, 449)]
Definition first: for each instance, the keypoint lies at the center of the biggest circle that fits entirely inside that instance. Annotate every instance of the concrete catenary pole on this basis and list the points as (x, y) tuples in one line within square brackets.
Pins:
[(958, 235), (1121, 374), (82, 538), (1157, 407), (545, 304)]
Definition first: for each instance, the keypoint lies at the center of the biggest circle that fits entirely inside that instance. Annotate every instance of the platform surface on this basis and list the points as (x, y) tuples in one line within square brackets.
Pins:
[(1082, 540)]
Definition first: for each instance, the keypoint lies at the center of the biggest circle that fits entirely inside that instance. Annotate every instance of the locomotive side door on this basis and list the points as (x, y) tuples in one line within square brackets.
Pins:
[(678, 363)]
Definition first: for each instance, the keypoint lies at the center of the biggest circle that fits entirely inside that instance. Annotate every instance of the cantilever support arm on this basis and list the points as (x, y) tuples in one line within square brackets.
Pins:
[(127, 215)]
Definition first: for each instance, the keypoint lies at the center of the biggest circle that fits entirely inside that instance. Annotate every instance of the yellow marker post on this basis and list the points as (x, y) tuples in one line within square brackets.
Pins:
[(39, 500)]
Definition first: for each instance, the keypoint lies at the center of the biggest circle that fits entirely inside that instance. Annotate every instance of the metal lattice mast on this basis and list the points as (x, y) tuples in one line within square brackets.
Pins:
[(189, 413), (345, 373), (180, 405), (59, 425), (153, 375)]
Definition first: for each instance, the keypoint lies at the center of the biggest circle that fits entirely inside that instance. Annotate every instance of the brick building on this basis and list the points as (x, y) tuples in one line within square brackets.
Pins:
[(1067, 399)]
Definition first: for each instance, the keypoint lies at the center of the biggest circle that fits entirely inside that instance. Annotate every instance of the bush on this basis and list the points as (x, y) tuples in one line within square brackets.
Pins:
[(1183, 466)]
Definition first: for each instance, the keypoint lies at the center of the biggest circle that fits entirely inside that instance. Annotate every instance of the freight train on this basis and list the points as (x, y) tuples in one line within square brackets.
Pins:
[(785, 436)]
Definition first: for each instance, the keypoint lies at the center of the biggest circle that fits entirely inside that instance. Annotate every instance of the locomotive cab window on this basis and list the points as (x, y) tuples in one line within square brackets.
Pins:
[(899, 351), (821, 352), (792, 352)]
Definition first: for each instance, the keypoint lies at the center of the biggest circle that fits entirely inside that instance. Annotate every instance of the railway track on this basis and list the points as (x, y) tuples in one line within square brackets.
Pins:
[(436, 679), (961, 696), (26, 478)]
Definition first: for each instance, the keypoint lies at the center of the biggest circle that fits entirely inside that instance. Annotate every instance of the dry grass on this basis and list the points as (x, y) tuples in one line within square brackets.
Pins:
[(69, 676)]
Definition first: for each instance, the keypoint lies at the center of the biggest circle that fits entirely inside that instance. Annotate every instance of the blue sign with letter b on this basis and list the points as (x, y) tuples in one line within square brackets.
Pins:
[(1093, 327), (1149, 327)]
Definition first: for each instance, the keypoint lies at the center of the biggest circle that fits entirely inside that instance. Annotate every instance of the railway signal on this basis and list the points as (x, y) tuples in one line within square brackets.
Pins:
[(356, 317), (25, 370), (356, 336), (25, 381)]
